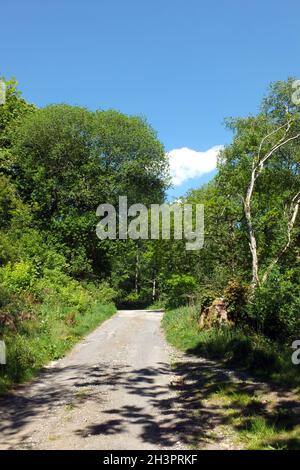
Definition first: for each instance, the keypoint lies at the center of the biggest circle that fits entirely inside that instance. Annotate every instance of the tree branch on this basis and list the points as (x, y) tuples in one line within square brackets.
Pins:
[(257, 167), (266, 137), (294, 209), (281, 143)]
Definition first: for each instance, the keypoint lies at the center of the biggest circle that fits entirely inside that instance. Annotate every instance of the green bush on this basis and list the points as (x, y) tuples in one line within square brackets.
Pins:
[(4, 296), (132, 297), (179, 288), (236, 297), (47, 335), (102, 291), (43, 311), (275, 309), (18, 277), (20, 358)]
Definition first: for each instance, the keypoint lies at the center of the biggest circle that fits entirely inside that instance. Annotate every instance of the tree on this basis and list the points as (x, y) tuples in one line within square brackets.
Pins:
[(262, 166), (70, 160), (12, 111)]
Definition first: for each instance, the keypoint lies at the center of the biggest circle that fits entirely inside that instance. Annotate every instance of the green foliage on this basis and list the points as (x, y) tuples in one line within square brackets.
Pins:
[(133, 158), (69, 160), (12, 112), (18, 277), (58, 163), (179, 288), (132, 297), (102, 291), (223, 267), (236, 296), (20, 359), (275, 309), (232, 346), (47, 337)]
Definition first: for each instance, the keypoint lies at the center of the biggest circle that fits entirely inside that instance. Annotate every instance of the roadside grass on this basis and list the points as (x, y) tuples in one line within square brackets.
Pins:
[(257, 415), (229, 393), (241, 409), (56, 328), (261, 435), (234, 347), (156, 306), (257, 426)]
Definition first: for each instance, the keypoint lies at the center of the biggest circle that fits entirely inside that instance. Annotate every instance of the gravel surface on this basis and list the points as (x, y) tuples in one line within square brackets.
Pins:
[(112, 391), (124, 388)]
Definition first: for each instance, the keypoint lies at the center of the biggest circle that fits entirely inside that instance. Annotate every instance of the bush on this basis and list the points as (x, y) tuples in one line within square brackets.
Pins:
[(46, 335), (275, 309), (18, 277), (43, 311), (20, 358), (4, 296), (103, 292), (179, 288), (236, 296)]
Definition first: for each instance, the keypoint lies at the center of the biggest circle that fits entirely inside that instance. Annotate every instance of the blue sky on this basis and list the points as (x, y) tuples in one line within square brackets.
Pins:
[(184, 64)]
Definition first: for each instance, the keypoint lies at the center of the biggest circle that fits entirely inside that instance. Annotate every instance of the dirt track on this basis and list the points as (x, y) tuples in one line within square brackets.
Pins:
[(111, 392), (124, 388)]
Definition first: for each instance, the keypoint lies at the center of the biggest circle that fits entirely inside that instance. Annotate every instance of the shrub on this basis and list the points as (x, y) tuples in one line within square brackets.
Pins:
[(102, 291), (20, 358), (132, 297), (17, 277), (236, 296), (275, 310), (178, 288)]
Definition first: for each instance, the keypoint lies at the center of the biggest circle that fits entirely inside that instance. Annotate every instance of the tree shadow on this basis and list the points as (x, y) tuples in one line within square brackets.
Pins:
[(184, 414), (186, 403), (51, 390)]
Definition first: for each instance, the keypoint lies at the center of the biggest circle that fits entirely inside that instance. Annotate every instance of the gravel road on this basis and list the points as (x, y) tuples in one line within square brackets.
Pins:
[(112, 391)]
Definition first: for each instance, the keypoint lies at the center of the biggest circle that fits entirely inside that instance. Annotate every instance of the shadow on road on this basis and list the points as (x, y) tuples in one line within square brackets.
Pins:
[(178, 412)]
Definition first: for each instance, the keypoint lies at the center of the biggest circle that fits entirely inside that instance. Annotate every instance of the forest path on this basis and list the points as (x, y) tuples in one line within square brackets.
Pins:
[(112, 391), (124, 388)]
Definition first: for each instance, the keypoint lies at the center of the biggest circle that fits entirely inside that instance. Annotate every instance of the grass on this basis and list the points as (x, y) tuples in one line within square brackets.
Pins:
[(156, 306), (53, 332), (256, 426), (234, 347), (258, 433), (230, 394), (70, 407), (250, 413)]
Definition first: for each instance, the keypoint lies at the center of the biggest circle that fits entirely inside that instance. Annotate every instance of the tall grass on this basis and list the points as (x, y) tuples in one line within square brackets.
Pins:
[(233, 346), (53, 331)]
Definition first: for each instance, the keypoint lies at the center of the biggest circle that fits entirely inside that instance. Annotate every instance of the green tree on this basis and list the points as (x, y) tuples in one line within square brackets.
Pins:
[(69, 160), (12, 111), (261, 166)]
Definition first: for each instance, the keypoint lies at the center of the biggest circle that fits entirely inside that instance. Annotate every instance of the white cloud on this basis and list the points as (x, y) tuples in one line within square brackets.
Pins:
[(186, 163)]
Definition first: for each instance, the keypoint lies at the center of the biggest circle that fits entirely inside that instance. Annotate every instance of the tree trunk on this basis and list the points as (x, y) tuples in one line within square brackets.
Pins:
[(294, 208), (257, 168), (252, 243), (136, 281), (153, 288)]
